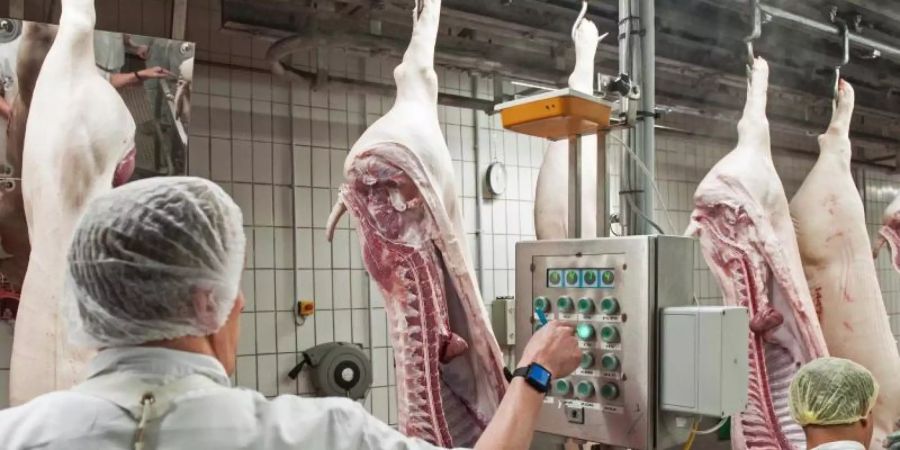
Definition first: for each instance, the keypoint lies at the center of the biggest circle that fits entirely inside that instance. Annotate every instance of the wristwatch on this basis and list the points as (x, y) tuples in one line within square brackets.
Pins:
[(536, 375)]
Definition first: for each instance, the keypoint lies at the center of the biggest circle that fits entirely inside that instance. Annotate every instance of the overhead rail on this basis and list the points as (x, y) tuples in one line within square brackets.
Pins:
[(887, 51)]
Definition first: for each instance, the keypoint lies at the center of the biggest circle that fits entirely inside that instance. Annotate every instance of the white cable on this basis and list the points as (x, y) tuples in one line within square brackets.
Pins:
[(649, 176), (715, 428), (584, 5)]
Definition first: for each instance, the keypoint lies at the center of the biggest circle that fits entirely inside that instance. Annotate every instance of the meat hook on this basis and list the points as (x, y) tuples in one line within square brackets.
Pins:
[(756, 14), (844, 30)]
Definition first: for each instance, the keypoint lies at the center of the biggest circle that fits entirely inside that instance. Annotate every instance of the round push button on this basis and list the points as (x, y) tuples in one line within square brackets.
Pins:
[(563, 387), (609, 362), (541, 304), (609, 334), (609, 391), (609, 306), (585, 331), (587, 360), (565, 304), (585, 305), (584, 389)]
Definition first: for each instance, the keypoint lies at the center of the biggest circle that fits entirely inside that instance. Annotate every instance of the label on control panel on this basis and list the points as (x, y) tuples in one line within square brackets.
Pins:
[(580, 404), (613, 409), (585, 345), (612, 347), (548, 400), (614, 319), (613, 375), (568, 316)]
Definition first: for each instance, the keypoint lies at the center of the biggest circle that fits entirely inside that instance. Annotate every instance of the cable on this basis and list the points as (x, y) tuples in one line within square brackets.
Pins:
[(641, 213), (690, 440), (713, 429), (649, 176)]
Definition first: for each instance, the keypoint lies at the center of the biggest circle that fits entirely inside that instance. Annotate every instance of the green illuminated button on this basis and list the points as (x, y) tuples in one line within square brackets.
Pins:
[(609, 362), (609, 334), (565, 304), (541, 304), (584, 389), (571, 277), (563, 387), (587, 360), (585, 305), (609, 306), (555, 278), (609, 391), (590, 277), (585, 331), (608, 277)]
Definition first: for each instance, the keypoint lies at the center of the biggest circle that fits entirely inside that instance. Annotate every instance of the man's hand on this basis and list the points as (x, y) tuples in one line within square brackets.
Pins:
[(554, 346), (154, 72)]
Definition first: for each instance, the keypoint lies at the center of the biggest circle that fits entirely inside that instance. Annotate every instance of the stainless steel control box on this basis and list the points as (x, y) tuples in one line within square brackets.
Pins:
[(612, 289)]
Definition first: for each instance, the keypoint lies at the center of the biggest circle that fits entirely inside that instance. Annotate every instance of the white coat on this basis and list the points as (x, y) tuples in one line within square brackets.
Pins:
[(841, 445), (216, 416)]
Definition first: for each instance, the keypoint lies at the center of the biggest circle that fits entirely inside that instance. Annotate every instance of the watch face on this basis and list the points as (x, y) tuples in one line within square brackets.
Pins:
[(539, 374)]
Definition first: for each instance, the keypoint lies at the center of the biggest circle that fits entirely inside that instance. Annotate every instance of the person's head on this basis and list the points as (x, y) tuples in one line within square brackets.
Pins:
[(156, 261), (832, 399)]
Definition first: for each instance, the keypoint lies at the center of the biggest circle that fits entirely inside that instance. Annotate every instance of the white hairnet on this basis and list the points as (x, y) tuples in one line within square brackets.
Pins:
[(832, 391), (155, 259)]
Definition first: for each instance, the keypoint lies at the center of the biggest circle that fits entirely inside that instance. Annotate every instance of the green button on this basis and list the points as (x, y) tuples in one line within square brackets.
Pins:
[(590, 277), (584, 389), (555, 278), (587, 360), (563, 387), (608, 277), (585, 305), (564, 304), (609, 334), (609, 391), (609, 362), (541, 304), (571, 277), (585, 331), (609, 306)]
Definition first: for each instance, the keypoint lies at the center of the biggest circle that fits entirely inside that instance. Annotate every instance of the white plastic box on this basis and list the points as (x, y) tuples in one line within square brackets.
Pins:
[(704, 361)]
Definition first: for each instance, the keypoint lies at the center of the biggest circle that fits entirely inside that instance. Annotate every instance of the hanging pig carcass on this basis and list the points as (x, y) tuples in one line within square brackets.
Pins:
[(79, 142), (399, 185), (836, 252), (747, 238)]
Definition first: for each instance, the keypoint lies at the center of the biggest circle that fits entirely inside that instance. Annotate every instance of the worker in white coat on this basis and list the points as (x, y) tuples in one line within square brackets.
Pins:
[(832, 399), (153, 283)]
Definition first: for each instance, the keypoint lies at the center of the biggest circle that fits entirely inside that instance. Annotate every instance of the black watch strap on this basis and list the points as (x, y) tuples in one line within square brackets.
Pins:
[(523, 372)]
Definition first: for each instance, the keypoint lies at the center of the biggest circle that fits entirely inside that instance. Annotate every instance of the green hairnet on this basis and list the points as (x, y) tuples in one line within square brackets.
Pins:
[(832, 391)]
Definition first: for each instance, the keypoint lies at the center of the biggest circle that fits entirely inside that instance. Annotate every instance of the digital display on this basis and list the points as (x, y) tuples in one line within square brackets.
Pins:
[(540, 375), (581, 278)]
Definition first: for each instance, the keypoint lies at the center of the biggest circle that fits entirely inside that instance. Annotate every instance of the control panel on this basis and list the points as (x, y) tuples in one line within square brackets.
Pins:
[(611, 290)]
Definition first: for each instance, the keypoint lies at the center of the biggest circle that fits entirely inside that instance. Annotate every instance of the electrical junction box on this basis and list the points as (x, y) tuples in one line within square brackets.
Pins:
[(704, 363), (503, 320)]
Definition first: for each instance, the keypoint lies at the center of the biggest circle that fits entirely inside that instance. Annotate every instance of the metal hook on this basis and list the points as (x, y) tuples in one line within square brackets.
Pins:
[(756, 14), (845, 35), (584, 6)]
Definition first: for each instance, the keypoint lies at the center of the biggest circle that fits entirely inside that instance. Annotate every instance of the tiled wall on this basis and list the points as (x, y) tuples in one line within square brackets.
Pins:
[(278, 148)]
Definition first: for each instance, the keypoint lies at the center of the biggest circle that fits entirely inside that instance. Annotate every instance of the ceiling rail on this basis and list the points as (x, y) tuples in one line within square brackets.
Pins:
[(887, 51)]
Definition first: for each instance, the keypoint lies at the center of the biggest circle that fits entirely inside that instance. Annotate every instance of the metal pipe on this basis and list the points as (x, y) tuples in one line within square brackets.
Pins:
[(778, 13), (648, 104), (479, 195), (179, 19)]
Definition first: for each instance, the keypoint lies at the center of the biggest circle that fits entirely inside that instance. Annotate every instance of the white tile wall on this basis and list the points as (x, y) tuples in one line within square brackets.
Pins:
[(278, 148)]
